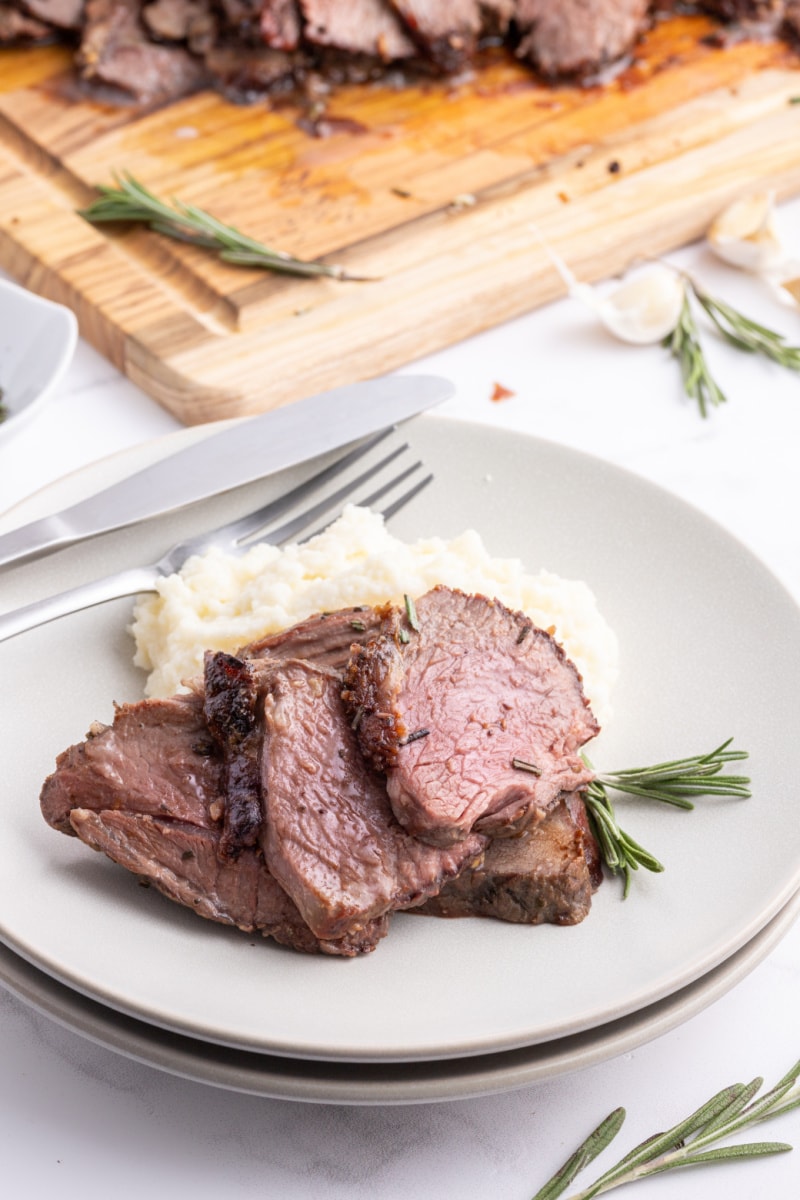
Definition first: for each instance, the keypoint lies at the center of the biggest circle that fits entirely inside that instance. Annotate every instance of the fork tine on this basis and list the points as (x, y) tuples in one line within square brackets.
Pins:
[(403, 500), (374, 497), (334, 500), (249, 524)]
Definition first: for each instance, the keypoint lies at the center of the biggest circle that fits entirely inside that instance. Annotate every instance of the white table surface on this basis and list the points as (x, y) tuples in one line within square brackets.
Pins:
[(81, 1122)]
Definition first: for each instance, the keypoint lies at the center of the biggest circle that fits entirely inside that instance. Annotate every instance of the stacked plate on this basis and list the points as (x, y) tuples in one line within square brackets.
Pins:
[(709, 642)]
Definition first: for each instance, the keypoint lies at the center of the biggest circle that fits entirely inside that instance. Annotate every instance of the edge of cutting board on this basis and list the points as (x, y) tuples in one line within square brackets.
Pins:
[(210, 346)]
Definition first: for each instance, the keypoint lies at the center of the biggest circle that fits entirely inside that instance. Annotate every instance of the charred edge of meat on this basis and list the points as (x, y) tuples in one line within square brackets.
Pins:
[(231, 696), (381, 730)]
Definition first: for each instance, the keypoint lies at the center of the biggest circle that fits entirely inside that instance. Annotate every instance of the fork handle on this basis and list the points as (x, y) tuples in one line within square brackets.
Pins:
[(124, 583)]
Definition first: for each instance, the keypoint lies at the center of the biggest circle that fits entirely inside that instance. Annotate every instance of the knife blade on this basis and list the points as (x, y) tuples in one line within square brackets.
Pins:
[(239, 454)]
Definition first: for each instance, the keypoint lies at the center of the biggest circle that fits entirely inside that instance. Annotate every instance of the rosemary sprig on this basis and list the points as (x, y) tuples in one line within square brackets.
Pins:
[(684, 344), (3, 408), (686, 1144), (130, 201), (748, 335), (667, 782), (737, 329)]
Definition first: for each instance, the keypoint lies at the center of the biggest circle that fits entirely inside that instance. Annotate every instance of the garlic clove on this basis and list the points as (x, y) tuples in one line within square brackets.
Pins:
[(643, 311), (746, 236), (646, 309)]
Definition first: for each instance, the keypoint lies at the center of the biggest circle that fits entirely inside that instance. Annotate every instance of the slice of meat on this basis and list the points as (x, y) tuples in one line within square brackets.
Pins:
[(148, 791), (177, 20), (183, 862), (360, 27), (446, 31), (329, 835), (578, 37), (115, 50), (17, 27), (158, 757), (64, 14), (791, 23), (246, 72), (232, 686), (281, 24), (475, 715), (540, 878), (325, 638)]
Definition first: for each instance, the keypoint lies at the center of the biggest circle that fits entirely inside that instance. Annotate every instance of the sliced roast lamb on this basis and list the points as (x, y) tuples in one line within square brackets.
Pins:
[(144, 759), (475, 715), (329, 836), (281, 24), (446, 31), (360, 27), (578, 37), (191, 21), (232, 686), (147, 790), (324, 639), (183, 862), (115, 50), (544, 877), (244, 72), (18, 27), (64, 14)]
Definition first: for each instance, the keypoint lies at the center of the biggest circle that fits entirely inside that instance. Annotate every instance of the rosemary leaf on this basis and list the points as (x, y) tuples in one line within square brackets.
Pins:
[(595, 1144), (520, 764), (685, 1144), (131, 202), (411, 613), (744, 1150)]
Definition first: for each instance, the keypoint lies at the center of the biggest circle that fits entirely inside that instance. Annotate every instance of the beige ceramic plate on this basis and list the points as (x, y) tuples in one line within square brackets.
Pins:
[(710, 643)]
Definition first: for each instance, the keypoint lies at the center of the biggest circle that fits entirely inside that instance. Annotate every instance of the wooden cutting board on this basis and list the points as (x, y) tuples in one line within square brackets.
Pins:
[(434, 191)]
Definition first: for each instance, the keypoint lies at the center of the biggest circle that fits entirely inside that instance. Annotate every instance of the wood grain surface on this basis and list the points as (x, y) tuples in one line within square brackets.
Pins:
[(607, 174)]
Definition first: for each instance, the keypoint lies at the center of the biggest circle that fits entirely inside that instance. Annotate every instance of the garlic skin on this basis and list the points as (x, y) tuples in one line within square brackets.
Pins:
[(745, 235)]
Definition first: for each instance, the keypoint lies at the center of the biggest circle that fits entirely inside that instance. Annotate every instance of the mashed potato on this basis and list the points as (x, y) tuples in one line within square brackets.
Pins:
[(221, 601)]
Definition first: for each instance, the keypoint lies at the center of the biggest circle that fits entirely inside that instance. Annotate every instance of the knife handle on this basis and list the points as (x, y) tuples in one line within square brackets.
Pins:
[(124, 583)]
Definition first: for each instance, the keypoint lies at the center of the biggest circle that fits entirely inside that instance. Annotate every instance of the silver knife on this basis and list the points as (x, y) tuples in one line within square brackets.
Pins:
[(249, 450)]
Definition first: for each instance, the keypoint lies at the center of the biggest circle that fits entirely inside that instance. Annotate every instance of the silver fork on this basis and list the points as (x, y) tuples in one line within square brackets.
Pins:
[(235, 536)]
